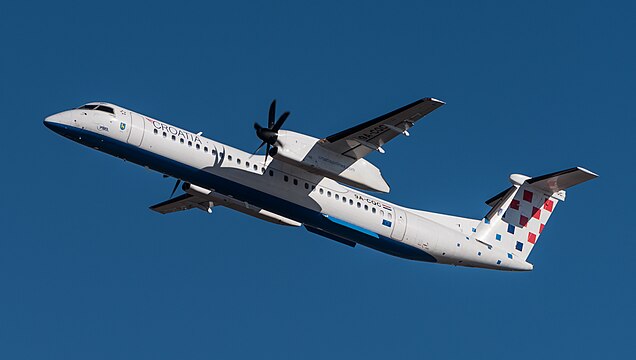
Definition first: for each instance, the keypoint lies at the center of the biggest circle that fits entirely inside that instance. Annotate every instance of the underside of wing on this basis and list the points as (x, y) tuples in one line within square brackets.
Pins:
[(360, 140), (180, 203)]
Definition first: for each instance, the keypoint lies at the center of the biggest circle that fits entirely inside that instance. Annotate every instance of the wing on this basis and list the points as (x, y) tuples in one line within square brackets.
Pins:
[(180, 203), (362, 139), (189, 201)]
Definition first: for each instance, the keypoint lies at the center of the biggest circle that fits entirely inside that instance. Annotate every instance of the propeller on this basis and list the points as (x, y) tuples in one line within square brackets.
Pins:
[(269, 134)]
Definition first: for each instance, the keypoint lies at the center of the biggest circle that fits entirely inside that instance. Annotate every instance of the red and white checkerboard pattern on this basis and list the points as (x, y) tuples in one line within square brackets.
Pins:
[(522, 222), (528, 212)]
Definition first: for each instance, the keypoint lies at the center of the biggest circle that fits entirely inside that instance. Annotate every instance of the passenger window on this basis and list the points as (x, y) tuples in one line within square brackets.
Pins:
[(373, 210), (321, 191), (247, 164), (381, 212), (350, 202), (306, 186), (390, 215), (181, 140), (189, 143), (213, 152), (156, 131), (328, 193), (295, 181), (313, 187), (229, 157), (205, 149), (238, 161), (255, 167), (164, 134), (344, 199), (198, 147), (271, 173), (286, 178), (337, 196), (359, 205), (366, 207)]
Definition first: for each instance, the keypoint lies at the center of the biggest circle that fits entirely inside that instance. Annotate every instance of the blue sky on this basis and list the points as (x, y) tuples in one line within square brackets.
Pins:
[(87, 271)]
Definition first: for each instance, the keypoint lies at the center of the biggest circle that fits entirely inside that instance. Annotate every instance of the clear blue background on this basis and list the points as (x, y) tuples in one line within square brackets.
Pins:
[(88, 272)]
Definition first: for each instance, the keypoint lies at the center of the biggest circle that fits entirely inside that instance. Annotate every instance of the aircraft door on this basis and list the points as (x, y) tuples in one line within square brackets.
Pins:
[(137, 124), (399, 224)]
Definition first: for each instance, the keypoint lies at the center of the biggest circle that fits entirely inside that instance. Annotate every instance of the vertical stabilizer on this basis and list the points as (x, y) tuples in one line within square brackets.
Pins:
[(520, 213)]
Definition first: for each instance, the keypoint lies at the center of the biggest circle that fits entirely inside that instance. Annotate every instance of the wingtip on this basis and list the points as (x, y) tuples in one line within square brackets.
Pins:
[(435, 100), (592, 174)]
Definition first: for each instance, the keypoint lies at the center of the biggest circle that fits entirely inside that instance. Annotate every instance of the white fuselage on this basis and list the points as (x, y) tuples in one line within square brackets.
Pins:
[(320, 203)]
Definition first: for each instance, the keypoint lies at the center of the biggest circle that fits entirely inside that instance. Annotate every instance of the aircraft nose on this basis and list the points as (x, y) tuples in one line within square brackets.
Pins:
[(55, 122)]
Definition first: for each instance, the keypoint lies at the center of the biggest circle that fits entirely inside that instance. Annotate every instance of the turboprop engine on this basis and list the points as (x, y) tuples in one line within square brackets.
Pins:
[(307, 152)]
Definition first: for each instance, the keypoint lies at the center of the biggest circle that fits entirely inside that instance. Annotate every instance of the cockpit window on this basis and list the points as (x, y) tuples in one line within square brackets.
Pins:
[(106, 109), (98, 108)]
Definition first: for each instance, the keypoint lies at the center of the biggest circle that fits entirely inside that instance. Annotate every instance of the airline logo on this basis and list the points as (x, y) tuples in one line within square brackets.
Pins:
[(174, 131), (122, 126)]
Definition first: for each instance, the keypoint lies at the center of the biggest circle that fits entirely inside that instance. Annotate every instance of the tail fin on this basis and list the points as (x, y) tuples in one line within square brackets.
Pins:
[(520, 213)]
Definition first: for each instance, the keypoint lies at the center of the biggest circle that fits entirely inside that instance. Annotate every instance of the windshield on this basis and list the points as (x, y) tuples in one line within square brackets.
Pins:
[(98, 108)]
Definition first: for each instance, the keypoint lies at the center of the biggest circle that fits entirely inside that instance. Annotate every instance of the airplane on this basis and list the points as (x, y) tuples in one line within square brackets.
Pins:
[(322, 184)]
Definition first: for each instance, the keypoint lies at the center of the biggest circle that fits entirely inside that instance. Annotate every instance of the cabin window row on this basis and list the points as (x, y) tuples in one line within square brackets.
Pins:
[(247, 163), (335, 196), (295, 181), (190, 144), (349, 201)]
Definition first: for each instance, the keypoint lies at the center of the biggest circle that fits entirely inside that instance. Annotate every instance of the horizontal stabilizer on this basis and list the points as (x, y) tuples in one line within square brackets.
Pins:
[(561, 180)]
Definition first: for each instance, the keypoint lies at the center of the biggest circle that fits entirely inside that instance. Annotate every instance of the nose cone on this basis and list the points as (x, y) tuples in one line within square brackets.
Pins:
[(48, 121), (56, 123)]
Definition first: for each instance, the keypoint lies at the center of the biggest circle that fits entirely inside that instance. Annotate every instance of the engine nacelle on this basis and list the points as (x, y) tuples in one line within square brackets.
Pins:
[(306, 152)]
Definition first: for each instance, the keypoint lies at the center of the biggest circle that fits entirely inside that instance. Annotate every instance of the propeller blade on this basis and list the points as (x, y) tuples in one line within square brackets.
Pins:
[(258, 148), (175, 188), (272, 114), (257, 126), (266, 153), (281, 121)]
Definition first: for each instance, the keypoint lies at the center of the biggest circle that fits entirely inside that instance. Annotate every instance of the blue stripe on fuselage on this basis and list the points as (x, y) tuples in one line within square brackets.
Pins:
[(352, 226), (222, 185)]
